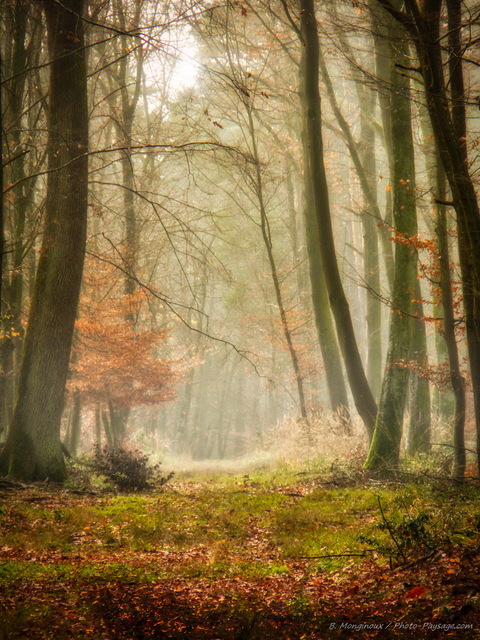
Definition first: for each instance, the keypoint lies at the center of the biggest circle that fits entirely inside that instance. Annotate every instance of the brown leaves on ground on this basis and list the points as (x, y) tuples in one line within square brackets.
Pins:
[(435, 598)]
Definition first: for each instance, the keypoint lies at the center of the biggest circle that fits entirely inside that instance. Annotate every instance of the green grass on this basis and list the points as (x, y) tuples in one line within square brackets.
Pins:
[(211, 552), (254, 526), (13, 571)]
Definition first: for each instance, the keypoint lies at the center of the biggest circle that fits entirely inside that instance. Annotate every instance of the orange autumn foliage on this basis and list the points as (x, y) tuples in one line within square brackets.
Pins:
[(115, 361)]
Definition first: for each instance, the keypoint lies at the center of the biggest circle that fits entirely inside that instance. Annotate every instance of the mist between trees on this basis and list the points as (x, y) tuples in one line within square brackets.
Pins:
[(232, 226)]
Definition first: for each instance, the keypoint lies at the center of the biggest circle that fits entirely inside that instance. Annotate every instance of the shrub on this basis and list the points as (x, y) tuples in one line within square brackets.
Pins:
[(411, 535), (128, 469)]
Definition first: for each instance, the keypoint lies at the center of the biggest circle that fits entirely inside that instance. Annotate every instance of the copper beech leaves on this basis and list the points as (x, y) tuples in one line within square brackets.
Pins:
[(113, 363), (116, 359)]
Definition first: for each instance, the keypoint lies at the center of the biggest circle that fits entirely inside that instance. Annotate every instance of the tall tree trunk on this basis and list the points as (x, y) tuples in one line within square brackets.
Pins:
[(449, 127), (456, 378), (337, 391), (16, 24), (331, 356), (124, 125), (311, 115), (33, 449), (2, 264), (72, 439), (385, 447), (443, 400), (419, 433), (119, 416), (371, 260), (382, 73), (450, 133), (366, 183)]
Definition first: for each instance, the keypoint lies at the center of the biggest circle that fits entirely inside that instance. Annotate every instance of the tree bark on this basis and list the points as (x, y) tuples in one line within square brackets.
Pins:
[(370, 245), (311, 115), (33, 449), (337, 391), (443, 400), (419, 433), (327, 339), (385, 447), (16, 25), (449, 128), (2, 266), (456, 378), (72, 439)]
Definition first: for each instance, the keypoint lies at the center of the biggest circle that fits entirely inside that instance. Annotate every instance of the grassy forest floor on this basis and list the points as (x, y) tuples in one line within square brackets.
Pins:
[(288, 553)]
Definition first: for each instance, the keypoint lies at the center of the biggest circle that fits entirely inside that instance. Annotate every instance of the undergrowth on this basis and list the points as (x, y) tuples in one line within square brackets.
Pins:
[(128, 469)]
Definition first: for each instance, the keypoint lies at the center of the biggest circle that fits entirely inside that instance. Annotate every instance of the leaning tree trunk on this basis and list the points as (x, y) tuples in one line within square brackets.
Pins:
[(337, 390), (33, 450), (327, 339), (311, 114)]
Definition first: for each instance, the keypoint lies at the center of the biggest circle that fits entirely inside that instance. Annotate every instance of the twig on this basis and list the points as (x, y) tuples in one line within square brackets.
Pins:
[(334, 555), (419, 560), (390, 531), (167, 486)]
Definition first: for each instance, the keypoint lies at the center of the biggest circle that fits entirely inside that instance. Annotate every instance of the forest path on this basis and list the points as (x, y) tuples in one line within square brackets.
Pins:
[(241, 560)]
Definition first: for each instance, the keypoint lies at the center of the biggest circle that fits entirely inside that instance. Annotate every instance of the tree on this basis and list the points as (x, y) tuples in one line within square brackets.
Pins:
[(446, 107), (363, 158), (456, 377), (33, 448), (114, 366), (327, 338), (267, 240), (24, 146), (385, 446), (315, 170)]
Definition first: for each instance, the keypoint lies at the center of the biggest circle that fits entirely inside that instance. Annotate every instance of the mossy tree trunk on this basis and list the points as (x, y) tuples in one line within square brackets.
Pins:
[(2, 268), (443, 399), (385, 447), (419, 433), (33, 449), (448, 118), (449, 335)]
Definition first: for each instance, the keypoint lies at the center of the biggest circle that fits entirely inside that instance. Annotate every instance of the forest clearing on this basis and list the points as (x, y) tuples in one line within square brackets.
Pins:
[(289, 551)]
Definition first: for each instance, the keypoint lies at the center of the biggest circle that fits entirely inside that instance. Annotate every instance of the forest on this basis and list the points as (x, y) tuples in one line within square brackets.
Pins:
[(240, 288)]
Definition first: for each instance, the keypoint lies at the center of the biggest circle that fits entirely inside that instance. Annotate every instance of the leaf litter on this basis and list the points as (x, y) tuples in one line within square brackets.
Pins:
[(71, 565)]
